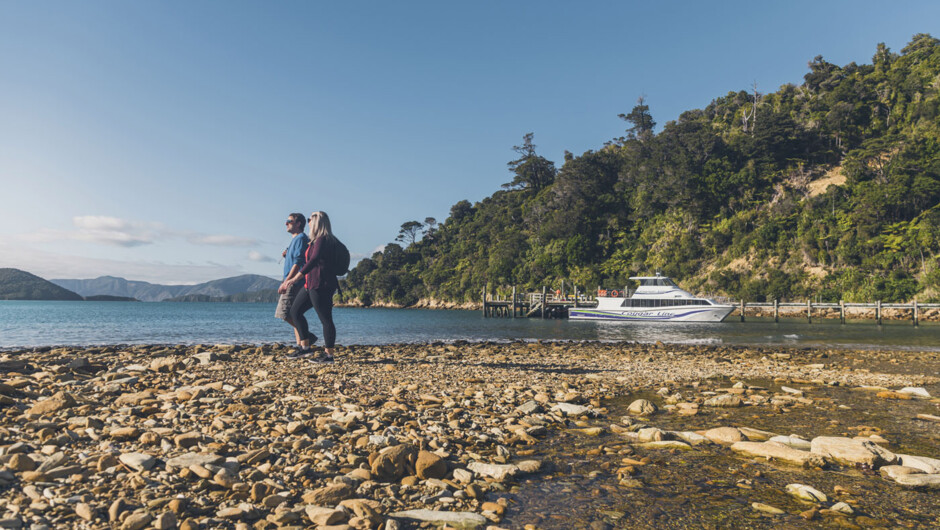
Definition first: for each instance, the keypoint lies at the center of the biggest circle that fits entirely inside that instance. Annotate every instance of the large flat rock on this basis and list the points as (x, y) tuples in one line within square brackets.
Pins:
[(779, 452), (459, 520), (927, 465), (851, 451), (920, 481), (189, 459), (496, 471)]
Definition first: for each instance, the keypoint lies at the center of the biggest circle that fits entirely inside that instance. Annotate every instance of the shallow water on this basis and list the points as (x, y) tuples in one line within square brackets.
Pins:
[(710, 486), (87, 323)]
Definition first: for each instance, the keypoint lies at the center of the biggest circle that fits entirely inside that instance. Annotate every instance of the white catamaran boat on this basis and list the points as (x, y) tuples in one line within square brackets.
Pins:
[(657, 299)]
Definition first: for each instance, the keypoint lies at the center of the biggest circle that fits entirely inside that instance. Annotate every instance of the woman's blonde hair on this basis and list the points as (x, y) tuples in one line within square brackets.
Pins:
[(319, 226)]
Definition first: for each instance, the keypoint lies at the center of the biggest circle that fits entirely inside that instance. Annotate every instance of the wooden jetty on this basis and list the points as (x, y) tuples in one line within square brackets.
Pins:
[(535, 305)]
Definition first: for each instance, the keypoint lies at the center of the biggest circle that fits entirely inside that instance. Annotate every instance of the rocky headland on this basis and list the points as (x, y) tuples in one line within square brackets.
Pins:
[(468, 435)]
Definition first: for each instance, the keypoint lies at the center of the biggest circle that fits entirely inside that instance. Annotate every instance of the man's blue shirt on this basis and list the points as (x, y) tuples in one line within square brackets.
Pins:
[(295, 253)]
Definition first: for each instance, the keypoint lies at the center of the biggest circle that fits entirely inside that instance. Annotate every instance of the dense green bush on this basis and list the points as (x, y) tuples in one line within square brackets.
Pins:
[(722, 198)]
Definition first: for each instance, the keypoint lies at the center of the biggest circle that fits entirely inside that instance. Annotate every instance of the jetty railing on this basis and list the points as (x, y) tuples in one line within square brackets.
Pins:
[(915, 308)]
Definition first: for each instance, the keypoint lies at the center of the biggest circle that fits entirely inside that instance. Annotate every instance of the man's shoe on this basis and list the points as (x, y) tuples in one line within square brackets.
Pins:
[(302, 353)]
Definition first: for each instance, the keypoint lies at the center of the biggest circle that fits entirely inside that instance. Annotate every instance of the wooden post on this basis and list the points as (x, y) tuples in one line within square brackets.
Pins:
[(513, 301), (809, 311), (878, 312), (743, 303), (776, 310), (576, 296), (544, 290), (484, 301), (914, 312), (842, 311)]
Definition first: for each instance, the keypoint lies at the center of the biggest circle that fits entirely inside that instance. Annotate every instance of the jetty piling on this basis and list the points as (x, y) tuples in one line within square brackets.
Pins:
[(544, 301)]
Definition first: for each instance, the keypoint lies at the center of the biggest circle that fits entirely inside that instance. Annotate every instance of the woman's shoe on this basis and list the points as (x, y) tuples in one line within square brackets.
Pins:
[(323, 358)]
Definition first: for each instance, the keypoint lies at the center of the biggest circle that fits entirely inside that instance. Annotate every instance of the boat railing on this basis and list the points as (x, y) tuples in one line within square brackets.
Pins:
[(616, 293), (723, 300)]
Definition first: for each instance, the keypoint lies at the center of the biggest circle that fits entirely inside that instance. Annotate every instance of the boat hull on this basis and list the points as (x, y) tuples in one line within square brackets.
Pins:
[(711, 313)]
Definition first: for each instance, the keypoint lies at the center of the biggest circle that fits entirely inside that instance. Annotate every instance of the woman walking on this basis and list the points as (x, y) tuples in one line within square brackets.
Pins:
[(319, 286)]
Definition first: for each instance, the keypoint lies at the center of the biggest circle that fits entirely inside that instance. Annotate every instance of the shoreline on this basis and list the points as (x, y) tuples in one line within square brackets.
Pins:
[(863, 348), (214, 436), (794, 313)]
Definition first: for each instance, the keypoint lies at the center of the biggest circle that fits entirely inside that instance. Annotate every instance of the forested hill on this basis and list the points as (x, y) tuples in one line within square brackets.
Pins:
[(21, 285), (828, 189)]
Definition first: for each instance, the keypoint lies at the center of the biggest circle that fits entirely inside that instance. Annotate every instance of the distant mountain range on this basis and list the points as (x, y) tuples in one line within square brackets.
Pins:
[(263, 296), (152, 292), (21, 285)]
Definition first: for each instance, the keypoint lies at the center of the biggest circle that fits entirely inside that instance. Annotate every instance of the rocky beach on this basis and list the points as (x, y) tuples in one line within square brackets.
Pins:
[(469, 435)]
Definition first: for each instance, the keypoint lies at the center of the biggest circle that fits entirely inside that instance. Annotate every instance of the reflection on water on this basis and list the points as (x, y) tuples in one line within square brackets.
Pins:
[(83, 323), (666, 332), (791, 332)]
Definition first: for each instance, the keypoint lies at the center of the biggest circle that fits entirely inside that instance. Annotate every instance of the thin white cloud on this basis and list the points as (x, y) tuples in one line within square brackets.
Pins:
[(95, 231), (99, 222), (107, 230), (108, 237), (221, 240), (115, 231), (254, 255)]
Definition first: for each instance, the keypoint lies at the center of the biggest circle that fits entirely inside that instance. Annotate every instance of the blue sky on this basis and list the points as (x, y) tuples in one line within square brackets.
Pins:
[(167, 141)]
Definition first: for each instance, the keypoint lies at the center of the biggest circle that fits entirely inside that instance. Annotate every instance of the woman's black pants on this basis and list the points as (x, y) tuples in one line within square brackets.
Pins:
[(321, 300)]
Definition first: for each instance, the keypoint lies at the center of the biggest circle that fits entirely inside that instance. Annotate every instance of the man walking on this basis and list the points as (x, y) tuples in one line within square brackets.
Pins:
[(293, 260)]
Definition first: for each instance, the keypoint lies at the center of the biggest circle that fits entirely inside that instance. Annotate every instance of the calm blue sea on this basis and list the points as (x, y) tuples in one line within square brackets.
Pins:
[(88, 323)]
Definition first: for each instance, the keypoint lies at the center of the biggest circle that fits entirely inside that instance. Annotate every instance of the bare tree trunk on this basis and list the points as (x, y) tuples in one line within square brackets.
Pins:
[(754, 109)]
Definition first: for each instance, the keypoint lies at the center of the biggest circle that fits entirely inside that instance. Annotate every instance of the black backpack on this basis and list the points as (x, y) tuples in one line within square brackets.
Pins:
[(339, 261)]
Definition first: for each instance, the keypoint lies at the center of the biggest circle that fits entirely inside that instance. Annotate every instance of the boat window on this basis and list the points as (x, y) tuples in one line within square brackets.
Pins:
[(660, 302), (669, 283)]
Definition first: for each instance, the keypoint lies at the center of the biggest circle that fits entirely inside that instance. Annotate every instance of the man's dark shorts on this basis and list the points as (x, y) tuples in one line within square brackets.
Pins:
[(286, 300)]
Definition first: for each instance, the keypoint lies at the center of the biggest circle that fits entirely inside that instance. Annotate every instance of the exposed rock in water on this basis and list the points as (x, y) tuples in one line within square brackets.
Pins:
[(457, 520), (851, 451), (780, 452)]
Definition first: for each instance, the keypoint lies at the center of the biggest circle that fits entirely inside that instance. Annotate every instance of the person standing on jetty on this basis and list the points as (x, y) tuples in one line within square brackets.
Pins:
[(294, 259), (319, 286)]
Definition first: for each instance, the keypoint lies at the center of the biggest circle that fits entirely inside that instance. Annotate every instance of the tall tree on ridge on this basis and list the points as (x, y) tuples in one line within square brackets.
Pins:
[(533, 172), (641, 119), (409, 232)]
